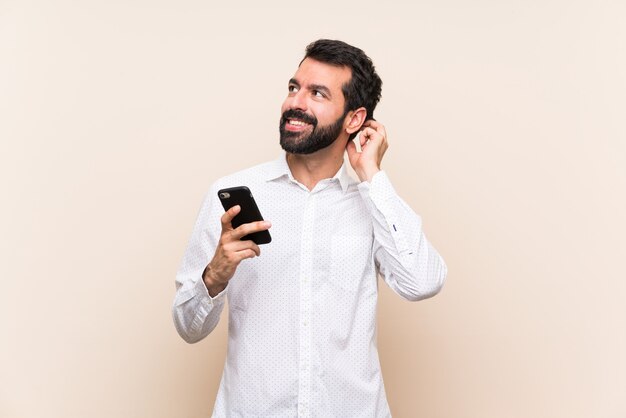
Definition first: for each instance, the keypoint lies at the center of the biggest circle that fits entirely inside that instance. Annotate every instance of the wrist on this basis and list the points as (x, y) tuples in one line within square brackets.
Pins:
[(367, 173), (213, 286)]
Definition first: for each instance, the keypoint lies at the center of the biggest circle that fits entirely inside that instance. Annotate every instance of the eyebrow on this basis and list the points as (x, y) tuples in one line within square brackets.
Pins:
[(319, 87)]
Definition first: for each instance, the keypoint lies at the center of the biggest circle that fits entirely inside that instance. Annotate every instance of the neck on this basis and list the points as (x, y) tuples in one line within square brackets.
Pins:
[(309, 169)]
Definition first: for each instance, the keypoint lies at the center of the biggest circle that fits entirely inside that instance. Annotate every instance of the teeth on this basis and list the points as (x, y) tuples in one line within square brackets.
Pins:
[(297, 122)]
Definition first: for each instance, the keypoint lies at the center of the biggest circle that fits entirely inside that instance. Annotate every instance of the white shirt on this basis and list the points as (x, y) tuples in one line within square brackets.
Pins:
[(302, 315)]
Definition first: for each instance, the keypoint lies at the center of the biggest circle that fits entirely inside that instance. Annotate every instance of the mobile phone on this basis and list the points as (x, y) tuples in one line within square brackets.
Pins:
[(242, 196)]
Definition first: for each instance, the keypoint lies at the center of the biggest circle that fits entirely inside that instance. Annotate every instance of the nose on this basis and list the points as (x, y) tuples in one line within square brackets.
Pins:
[(297, 101)]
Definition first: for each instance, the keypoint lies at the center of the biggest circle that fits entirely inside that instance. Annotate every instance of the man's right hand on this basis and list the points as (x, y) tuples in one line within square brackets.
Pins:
[(230, 251)]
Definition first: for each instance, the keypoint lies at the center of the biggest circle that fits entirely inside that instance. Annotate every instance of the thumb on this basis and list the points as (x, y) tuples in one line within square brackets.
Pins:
[(351, 149), (353, 154)]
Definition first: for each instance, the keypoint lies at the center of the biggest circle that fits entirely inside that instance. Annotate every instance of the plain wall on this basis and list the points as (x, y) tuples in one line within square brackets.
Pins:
[(507, 135)]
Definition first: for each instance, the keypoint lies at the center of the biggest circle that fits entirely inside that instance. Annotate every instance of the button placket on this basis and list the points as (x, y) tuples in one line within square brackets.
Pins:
[(306, 264)]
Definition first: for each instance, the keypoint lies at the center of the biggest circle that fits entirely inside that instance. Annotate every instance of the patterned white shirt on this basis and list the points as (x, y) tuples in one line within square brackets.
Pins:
[(302, 315)]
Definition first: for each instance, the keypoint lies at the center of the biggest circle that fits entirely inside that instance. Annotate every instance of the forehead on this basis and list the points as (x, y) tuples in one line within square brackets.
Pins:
[(311, 71)]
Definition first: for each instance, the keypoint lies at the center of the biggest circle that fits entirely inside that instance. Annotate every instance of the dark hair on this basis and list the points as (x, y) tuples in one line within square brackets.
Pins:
[(365, 85)]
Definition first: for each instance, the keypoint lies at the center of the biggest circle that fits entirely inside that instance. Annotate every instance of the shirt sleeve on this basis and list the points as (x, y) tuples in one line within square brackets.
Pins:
[(194, 311), (408, 263)]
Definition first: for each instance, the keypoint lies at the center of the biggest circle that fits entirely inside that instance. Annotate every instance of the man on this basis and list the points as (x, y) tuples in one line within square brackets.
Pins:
[(302, 312)]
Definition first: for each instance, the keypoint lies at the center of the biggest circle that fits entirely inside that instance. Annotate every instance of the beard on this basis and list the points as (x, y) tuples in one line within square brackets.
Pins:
[(303, 143)]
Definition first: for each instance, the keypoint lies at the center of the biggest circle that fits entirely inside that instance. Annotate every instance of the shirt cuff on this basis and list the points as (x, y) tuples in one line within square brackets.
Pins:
[(203, 292), (386, 207), (379, 190)]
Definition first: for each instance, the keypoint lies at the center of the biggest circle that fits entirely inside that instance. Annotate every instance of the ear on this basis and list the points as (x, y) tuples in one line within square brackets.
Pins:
[(355, 120)]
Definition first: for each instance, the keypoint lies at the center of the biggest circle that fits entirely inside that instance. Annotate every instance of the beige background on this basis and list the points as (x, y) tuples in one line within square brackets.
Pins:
[(506, 122)]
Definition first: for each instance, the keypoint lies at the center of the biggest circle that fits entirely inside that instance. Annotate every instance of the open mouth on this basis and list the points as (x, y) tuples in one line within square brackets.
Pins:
[(296, 124), (297, 121)]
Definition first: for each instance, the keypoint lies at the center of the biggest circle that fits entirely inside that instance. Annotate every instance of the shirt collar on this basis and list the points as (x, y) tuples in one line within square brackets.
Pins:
[(279, 168)]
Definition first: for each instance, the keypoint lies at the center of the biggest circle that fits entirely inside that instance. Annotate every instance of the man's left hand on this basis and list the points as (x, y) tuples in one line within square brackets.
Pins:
[(373, 140)]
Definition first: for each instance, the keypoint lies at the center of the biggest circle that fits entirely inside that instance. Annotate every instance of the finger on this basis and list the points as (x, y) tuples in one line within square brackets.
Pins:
[(244, 254), (369, 123), (351, 148), (377, 126), (250, 228), (228, 216), (368, 134), (381, 130), (236, 246)]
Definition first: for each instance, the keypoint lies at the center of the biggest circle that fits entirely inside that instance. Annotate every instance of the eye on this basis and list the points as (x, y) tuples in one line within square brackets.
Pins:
[(318, 94), (292, 88)]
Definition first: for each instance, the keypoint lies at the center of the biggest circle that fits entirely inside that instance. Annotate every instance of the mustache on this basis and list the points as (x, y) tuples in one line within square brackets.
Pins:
[(297, 114)]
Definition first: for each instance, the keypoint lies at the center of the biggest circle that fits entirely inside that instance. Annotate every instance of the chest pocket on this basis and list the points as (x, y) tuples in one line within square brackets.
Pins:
[(351, 256)]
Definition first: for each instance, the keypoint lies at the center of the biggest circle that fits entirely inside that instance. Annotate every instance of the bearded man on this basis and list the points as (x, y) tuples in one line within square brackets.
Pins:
[(302, 313)]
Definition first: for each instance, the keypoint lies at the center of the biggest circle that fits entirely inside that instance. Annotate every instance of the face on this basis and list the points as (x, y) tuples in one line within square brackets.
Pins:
[(313, 113)]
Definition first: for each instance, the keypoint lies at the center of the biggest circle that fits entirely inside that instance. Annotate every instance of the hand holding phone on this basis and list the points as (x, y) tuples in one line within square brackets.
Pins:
[(243, 229), (249, 212)]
